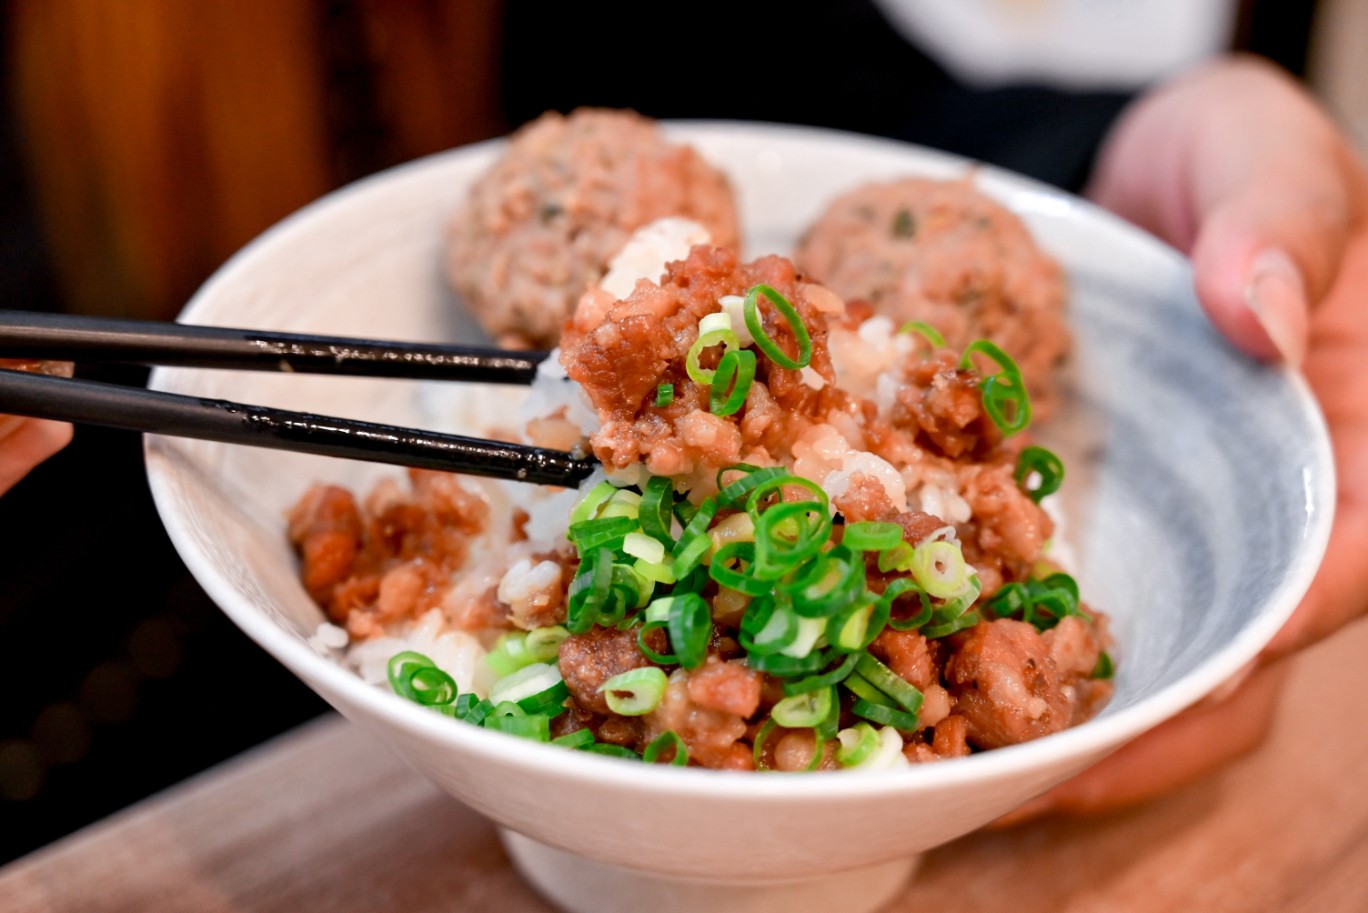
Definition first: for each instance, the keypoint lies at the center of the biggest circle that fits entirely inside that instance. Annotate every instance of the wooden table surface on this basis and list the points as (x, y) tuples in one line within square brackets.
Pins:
[(323, 819)]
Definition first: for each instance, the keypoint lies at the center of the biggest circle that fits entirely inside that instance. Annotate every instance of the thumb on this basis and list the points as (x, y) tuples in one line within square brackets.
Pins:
[(1237, 166), (1269, 243)]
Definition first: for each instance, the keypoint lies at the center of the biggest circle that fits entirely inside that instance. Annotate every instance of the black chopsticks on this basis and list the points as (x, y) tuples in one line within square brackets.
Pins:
[(64, 337), (138, 409)]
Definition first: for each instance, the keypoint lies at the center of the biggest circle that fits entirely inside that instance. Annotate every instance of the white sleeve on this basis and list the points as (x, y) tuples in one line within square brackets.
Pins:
[(1118, 44)]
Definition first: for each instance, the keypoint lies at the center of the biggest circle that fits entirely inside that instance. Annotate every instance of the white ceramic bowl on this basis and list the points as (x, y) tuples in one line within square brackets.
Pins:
[(1196, 509)]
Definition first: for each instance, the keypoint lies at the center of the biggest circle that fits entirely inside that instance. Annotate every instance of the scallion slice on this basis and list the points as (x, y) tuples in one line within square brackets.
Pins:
[(871, 536), (751, 310), (580, 738), (635, 692), (416, 677), (1004, 393), (587, 507), (726, 569), (640, 545), (1043, 464), (833, 676), (803, 711), (601, 531), (1105, 668), (589, 591), (884, 715), (713, 329), (768, 626), (858, 744), (925, 331), (967, 620), (667, 741), (664, 395), (940, 569), (690, 627), (534, 726), (527, 682), (613, 751), (890, 683), (732, 383), (895, 590), (654, 512)]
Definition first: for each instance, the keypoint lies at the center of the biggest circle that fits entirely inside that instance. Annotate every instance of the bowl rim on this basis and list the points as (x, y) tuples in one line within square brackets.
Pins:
[(1088, 740)]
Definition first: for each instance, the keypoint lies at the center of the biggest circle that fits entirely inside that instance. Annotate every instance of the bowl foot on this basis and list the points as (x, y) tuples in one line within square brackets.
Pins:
[(578, 885)]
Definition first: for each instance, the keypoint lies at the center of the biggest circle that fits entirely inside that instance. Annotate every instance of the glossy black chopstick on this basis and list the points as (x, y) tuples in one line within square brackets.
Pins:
[(63, 337), (138, 409)]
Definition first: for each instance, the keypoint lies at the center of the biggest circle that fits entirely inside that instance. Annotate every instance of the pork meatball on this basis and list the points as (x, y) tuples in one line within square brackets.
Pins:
[(944, 253), (541, 226)]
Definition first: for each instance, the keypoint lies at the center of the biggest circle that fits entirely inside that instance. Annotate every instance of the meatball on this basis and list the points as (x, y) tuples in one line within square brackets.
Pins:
[(944, 253), (541, 226)]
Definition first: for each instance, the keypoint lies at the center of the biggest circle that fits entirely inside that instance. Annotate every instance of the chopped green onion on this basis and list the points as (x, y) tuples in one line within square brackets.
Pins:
[(857, 626), (926, 331), (640, 545), (724, 569), (897, 558), (657, 498), (509, 654), (1004, 393), (712, 330), (890, 683), (828, 584), (967, 620), (664, 395), (802, 711), (767, 627), (1105, 668), (904, 224), (751, 309), (940, 569), (758, 747), (895, 590), (534, 726), (810, 631), (635, 692), (777, 483), (527, 682), (668, 740), (826, 679), (858, 744), (1039, 462), (431, 686), (613, 751), (871, 536), (623, 503), (787, 534), (543, 644), (886, 716), (784, 666), (587, 507), (589, 591), (665, 659), (478, 712), (602, 531), (735, 373), (580, 738), (693, 542), (417, 678), (690, 627), (861, 687)]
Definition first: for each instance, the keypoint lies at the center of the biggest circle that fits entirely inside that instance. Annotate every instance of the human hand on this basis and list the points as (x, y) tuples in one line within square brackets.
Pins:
[(1234, 164), (26, 442)]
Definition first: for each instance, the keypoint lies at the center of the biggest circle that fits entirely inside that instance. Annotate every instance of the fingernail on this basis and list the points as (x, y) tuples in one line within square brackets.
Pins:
[(1277, 296)]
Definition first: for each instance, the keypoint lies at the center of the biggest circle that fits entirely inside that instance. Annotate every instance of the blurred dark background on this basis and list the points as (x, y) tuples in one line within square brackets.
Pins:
[(142, 143)]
